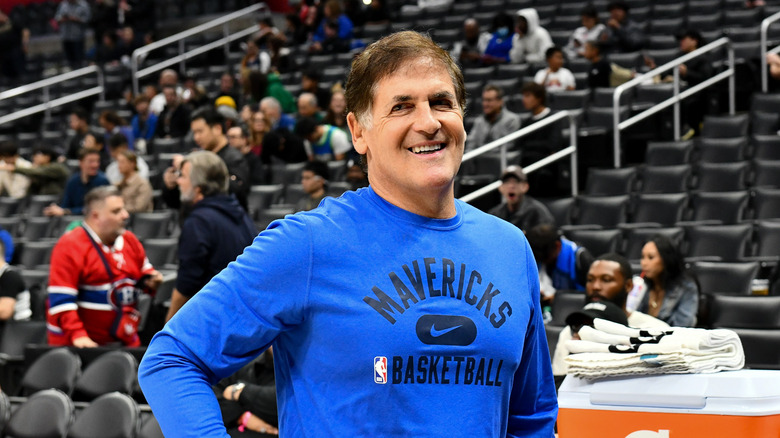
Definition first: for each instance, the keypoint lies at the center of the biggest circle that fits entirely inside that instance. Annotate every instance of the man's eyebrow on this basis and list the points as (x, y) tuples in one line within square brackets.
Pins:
[(443, 95), (402, 98)]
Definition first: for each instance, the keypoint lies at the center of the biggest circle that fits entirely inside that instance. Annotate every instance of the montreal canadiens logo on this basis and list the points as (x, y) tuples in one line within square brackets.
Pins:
[(123, 293)]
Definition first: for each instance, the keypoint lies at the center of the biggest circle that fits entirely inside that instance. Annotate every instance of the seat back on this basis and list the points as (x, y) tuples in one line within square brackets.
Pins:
[(722, 177), (760, 346), (756, 312), (112, 415), (610, 182), (665, 209), (726, 207), (17, 334), (565, 303), (767, 173), (725, 126), (112, 371), (597, 241), (725, 278), (722, 150), (51, 405), (719, 242), (668, 153), (637, 237), (605, 211), (766, 203), (666, 179), (56, 369), (561, 209)]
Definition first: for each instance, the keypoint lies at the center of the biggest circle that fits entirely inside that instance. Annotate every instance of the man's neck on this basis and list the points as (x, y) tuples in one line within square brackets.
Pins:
[(513, 206), (85, 178), (318, 194), (538, 110), (435, 204), (221, 143)]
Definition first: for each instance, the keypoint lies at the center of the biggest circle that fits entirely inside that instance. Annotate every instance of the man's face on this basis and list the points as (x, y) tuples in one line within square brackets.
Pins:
[(617, 14), (491, 103), (170, 96), (110, 216), (513, 190), (416, 139), (125, 165), (40, 159), (688, 44), (270, 113), (205, 136), (305, 108), (75, 123), (235, 138), (9, 159), (226, 83), (606, 283), (90, 165), (186, 190), (311, 182), (530, 102), (590, 52), (588, 22), (471, 32), (142, 107), (522, 26)]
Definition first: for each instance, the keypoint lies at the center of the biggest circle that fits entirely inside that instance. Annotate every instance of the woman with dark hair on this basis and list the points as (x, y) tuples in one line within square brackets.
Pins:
[(672, 295)]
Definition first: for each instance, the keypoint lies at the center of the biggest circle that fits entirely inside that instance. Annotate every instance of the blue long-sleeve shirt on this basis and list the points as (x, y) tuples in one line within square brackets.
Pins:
[(383, 323), (75, 189)]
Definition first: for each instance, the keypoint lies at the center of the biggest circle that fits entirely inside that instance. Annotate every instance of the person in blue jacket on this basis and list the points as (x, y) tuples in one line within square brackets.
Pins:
[(394, 310)]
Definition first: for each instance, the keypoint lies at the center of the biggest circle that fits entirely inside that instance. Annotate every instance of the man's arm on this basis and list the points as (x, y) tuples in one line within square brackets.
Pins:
[(226, 324), (533, 406)]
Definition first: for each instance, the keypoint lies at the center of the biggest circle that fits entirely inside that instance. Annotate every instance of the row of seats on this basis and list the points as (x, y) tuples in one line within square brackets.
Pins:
[(730, 243), (51, 413)]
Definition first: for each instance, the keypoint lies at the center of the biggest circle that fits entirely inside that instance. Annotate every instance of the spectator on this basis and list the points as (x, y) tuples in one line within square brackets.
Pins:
[(548, 181), (247, 399), (600, 70), (295, 32), (258, 128), (314, 179), (117, 144), (114, 124), (174, 120), (531, 40), (609, 281), (255, 58), (7, 243), (336, 114), (73, 17), (273, 112), (238, 138), (694, 72), (97, 272), (310, 83), (500, 43), (308, 106), (623, 34), (168, 78), (85, 179), (47, 175), (258, 85), (104, 18), (78, 121), (14, 38), (144, 122), (108, 50), (14, 296), (520, 210), (227, 109), (672, 294), (227, 87), (562, 263), (128, 43), (469, 51), (773, 59), (12, 184), (332, 43), (555, 77), (216, 230), (495, 121), (323, 142), (194, 95), (136, 191), (591, 30), (356, 174), (332, 11)]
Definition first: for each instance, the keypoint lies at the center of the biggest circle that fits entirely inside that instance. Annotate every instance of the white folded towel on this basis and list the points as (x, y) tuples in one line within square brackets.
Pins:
[(612, 349)]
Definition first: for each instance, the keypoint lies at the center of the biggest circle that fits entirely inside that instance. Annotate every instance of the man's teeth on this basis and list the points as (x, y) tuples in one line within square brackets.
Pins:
[(429, 148)]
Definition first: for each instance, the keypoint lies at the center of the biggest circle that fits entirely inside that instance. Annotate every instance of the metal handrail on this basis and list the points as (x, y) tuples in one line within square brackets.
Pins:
[(764, 30), (45, 84), (570, 151), (678, 96), (141, 52)]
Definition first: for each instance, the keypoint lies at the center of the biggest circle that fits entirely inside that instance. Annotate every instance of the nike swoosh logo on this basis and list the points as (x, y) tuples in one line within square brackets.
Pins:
[(437, 333)]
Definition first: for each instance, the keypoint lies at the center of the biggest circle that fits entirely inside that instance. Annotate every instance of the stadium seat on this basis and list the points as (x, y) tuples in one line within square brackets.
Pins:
[(565, 303), (610, 182), (598, 212), (760, 346), (721, 150), (561, 209), (666, 179), (722, 177), (569, 99), (718, 208), (58, 368), (150, 428), (598, 241), (263, 196), (162, 253), (725, 278), (766, 203), (764, 123), (706, 22), (112, 371), (38, 202), (728, 243), (767, 173), (767, 241), (725, 126), (51, 405), (753, 312), (658, 210), (769, 102), (36, 228), (35, 254), (151, 225), (113, 415), (637, 237), (9, 206), (766, 147)]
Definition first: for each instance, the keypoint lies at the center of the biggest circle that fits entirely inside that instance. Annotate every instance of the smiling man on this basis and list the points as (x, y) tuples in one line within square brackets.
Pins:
[(519, 209), (381, 303)]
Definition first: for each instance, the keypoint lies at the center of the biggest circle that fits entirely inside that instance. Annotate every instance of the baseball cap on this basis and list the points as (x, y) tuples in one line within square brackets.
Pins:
[(514, 172), (225, 100), (601, 309)]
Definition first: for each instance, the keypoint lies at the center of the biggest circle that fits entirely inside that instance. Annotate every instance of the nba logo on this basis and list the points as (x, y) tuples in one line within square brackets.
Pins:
[(380, 370)]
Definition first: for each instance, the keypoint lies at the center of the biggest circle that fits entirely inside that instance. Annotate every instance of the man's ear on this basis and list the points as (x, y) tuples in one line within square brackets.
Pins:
[(629, 285), (358, 141)]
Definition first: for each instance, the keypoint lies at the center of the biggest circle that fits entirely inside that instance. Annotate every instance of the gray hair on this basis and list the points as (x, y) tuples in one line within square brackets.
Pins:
[(97, 195), (208, 172), (311, 97)]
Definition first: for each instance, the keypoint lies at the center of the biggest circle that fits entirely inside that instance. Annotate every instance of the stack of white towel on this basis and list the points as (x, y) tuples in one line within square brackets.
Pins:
[(612, 349)]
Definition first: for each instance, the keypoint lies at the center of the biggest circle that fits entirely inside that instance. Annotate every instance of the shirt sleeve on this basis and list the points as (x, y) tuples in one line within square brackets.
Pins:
[(533, 406), (11, 284), (339, 142), (66, 266), (235, 317)]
